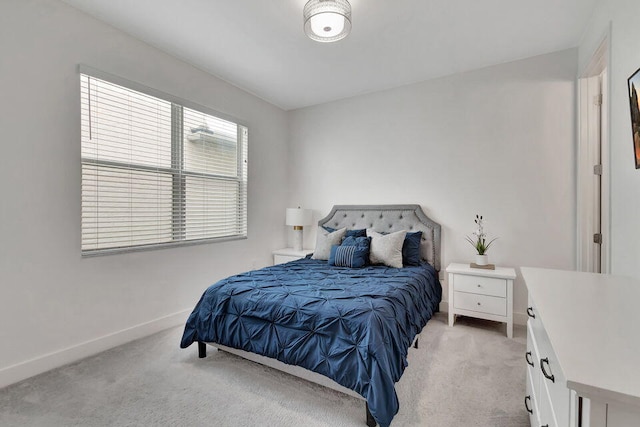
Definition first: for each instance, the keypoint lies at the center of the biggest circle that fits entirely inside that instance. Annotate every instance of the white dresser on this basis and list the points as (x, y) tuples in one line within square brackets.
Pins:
[(485, 294), (583, 349)]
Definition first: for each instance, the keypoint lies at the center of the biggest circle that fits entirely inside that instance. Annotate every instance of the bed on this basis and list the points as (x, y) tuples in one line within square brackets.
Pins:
[(346, 328)]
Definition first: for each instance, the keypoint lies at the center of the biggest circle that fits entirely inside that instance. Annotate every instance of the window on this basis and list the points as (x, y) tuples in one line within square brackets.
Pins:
[(156, 172)]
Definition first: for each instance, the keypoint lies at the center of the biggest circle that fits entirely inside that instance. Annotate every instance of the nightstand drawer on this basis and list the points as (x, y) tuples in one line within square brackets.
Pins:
[(281, 256), (281, 259), (480, 285), (480, 303)]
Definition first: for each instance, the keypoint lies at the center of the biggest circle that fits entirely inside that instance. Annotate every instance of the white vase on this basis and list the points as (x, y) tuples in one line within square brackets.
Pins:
[(482, 259)]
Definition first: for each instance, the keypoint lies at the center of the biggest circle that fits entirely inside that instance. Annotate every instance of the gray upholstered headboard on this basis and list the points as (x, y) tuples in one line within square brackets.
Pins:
[(387, 219)]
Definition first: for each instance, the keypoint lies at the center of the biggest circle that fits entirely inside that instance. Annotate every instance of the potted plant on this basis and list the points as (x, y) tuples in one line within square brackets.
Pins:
[(479, 242)]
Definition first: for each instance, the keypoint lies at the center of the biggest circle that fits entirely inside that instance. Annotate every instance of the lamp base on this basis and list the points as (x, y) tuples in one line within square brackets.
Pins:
[(297, 238)]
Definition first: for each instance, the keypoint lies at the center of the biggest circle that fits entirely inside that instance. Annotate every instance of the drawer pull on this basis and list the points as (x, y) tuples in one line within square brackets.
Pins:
[(546, 425), (526, 356), (530, 312), (478, 303), (544, 371), (526, 405)]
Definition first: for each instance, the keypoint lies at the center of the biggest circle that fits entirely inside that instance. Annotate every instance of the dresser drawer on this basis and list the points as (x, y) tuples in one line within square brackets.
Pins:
[(480, 303), (480, 285), (533, 317), (552, 383), (531, 402), (532, 358), (545, 411), (558, 393)]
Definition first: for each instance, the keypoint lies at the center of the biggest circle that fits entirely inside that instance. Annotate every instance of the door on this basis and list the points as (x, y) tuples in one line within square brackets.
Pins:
[(590, 171)]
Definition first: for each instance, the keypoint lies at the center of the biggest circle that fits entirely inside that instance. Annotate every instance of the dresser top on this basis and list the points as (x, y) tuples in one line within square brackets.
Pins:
[(593, 323), (499, 272)]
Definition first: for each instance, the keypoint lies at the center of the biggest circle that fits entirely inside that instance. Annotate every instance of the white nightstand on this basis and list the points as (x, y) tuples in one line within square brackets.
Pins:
[(485, 294), (281, 256)]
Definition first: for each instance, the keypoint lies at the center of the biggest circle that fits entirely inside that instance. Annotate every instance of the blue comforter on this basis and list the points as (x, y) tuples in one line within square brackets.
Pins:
[(354, 326)]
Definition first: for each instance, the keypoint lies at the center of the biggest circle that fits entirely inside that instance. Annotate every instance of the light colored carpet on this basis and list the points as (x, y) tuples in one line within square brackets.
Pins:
[(468, 375)]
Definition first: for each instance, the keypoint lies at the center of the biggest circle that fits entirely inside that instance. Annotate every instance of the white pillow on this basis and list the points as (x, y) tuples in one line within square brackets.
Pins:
[(386, 248), (324, 241)]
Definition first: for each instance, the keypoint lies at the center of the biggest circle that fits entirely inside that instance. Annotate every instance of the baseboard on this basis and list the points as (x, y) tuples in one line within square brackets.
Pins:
[(444, 306), (518, 318), (23, 370)]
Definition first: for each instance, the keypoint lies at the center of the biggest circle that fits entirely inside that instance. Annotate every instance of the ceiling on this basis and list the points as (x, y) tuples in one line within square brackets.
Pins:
[(260, 45)]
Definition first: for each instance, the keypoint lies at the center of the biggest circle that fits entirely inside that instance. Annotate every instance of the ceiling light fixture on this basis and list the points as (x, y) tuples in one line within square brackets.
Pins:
[(327, 20)]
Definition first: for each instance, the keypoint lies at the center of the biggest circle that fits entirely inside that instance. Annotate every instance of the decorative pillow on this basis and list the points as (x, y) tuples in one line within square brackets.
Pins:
[(354, 255), (324, 242), (350, 233), (411, 248), (386, 248), (357, 241)]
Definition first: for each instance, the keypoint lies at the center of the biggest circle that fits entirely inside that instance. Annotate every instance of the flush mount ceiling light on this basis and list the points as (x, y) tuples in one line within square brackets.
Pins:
[(327, 20)]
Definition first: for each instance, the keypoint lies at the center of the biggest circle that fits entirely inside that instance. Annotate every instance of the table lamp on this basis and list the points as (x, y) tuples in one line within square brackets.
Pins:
[(298, 218)]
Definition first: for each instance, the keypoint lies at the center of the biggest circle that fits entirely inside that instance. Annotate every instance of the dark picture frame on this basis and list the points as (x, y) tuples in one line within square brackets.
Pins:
[(634, 104)]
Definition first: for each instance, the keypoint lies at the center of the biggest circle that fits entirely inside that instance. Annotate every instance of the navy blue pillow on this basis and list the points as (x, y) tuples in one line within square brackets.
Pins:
[(349, 256), (350, 233), (363, 241), (353, 253), (411, 248)]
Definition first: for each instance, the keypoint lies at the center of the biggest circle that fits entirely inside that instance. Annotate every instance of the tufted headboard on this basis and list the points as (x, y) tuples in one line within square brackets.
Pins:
[(387, 219)]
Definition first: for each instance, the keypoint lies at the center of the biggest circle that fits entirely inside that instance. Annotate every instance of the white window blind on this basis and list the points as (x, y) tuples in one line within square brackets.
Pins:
[(156, 173)]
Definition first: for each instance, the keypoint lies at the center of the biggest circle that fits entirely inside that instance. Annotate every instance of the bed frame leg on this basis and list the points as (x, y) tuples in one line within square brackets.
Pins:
[(415, 345), (371, 422), (202, 350)]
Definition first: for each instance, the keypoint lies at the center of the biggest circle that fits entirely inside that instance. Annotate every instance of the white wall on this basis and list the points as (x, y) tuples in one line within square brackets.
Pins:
[(55, 306), (622, 17), (498, 141)]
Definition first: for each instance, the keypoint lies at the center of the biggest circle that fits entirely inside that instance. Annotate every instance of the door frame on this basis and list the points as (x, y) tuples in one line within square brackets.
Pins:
[(597, 65)]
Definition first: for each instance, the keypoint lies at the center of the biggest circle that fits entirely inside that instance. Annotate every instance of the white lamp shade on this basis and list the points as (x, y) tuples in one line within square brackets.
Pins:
[(327, 24), (299, 217)]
